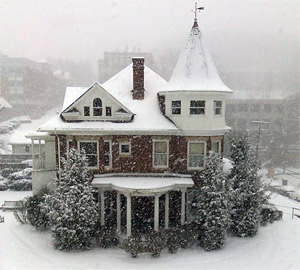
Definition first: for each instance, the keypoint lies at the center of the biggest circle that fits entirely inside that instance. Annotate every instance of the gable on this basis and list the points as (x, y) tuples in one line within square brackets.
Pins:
[(96, 104)]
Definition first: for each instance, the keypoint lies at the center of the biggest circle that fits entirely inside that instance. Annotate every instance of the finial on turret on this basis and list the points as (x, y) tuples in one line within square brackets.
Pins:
[(196, 13)]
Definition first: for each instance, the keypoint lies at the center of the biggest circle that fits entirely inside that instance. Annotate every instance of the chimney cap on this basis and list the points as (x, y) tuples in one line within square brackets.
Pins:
[(138, 57)]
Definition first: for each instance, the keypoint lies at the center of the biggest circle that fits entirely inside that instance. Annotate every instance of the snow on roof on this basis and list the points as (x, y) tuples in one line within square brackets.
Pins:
[(195, 69), (18, 137), (4, 103), (147, 112), (143, 184)]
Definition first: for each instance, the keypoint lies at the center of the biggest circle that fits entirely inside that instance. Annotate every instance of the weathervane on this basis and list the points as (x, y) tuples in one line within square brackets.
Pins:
[(197, 10)]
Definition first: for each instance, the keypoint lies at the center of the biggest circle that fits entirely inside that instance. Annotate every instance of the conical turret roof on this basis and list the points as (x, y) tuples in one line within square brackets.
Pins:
[(195, 69)]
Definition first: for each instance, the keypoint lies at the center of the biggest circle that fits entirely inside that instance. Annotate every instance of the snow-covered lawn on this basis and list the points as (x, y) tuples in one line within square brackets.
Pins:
[(275, 247)]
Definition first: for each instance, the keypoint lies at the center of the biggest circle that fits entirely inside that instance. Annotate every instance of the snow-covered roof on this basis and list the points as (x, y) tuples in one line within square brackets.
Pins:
[(147, 112), (143, 185), (195, 69), (4, 103)]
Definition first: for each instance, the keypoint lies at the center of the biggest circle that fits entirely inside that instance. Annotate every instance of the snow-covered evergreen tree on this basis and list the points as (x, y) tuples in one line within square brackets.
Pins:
[(211, 206), (246, 195), (72, 209)]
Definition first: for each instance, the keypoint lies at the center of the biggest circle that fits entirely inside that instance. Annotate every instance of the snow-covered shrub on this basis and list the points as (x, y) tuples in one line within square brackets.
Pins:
[(72, 209), (20, 185), (3, 185), (24, 174), (36, 214), (106, 237), (212, 204), (269, 214), (246, 196), (133, 245), (155, 243)]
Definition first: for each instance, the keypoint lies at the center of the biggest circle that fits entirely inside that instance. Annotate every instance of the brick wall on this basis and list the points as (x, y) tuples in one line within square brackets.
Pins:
[(141, 158)]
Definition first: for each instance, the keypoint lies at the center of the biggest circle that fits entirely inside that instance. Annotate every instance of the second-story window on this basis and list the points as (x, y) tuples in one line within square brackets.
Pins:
[(217, 107), (97, 107), (90, 149), (197, 107), (160, 154), (125, 148), (176, 107)]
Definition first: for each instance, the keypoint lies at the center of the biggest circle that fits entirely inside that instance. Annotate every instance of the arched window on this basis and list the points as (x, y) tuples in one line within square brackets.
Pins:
[(97, 107)]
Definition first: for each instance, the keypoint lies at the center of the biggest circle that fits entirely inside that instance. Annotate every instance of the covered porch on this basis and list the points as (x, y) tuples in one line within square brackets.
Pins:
[(134, 185)]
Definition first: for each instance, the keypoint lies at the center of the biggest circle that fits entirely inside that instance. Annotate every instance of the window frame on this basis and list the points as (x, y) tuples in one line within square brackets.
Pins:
[(90, 141), (220, 145), (176, 108), (215, 107), (153, 154), (198, 107), (106, 109), (188, 155), (120, 148)]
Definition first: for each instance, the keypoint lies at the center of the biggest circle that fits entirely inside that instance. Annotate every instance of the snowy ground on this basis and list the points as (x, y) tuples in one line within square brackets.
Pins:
[(275, 247)]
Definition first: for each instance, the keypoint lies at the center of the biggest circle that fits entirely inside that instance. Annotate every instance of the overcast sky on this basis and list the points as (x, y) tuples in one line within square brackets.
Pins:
[(84, 29)]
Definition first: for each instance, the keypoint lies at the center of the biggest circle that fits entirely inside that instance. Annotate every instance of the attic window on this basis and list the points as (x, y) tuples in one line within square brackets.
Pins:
[(121, 111), (86, 111), (97, 107)]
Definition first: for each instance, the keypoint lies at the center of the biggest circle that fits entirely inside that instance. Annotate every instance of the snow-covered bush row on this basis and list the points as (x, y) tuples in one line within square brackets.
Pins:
[(20, 185), (24, 174)]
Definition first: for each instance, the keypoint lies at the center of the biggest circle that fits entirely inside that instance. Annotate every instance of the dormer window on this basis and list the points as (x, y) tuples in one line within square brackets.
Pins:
[(176, 107), (197, 107), (97, 107)]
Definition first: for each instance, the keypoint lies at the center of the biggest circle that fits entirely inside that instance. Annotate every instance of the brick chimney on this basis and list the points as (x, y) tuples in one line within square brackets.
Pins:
[(138, 78)]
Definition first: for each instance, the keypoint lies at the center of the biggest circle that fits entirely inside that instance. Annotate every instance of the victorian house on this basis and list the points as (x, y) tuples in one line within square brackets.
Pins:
[(143, 137)]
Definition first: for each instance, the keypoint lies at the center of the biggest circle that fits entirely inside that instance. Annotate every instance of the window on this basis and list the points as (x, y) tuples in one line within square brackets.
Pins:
[(86, 111), (107, 154), (218, 107), (97, 106), (90, 150), (196, 155), (197, 107), (216, 146), (160, 154), (125, 148), (108, 111), (176, 107)]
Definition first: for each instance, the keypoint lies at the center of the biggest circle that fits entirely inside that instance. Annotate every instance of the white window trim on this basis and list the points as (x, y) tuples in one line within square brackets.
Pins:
[(220, 145), (188, 155), (68, 148), (110, 154), (94, 141), (197, 115), (176, 108), (159, 166), (120, 148), (214, 108)]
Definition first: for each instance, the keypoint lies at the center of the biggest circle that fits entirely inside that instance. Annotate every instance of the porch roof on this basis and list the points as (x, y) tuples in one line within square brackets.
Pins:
[(142, 185)]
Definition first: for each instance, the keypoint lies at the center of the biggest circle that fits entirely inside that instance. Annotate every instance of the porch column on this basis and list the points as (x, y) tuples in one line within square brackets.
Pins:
[(102, 208), (33, 158), (182, 206), (156, 213), (128, 214), (167, 211), (188, 213), (118, 212)]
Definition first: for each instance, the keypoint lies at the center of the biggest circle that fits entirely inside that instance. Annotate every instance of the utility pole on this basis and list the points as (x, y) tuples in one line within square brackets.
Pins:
[(258, 136)]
